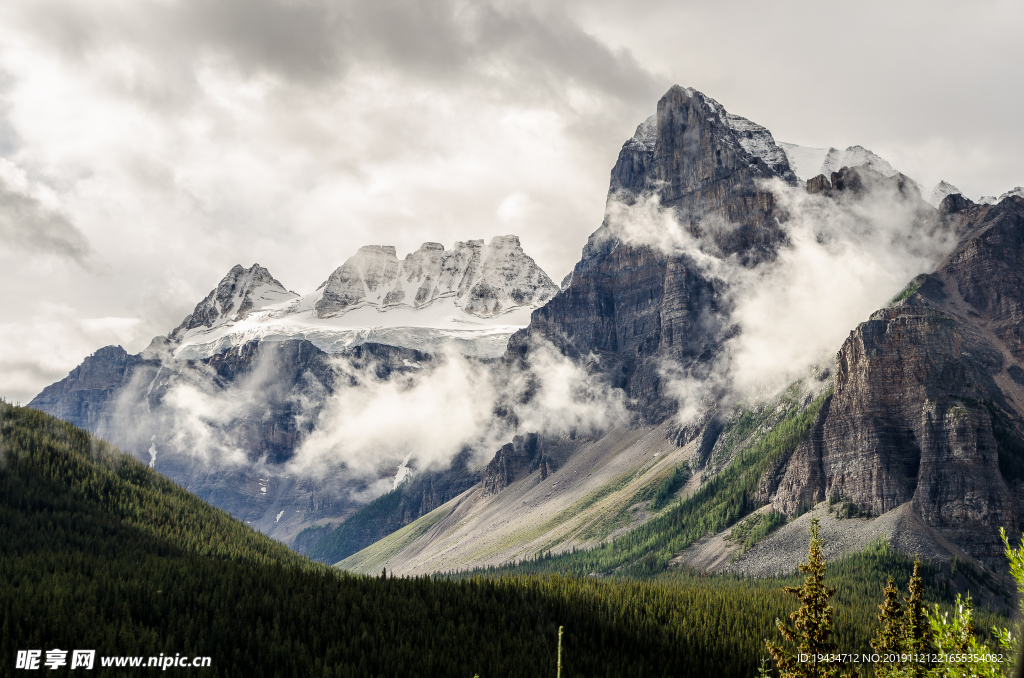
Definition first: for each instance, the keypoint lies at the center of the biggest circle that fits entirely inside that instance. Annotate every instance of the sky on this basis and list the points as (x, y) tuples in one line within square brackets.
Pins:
[(147, 146)]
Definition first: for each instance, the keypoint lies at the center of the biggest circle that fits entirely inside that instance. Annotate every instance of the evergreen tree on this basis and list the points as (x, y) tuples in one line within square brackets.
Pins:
[(812, 622), (917, 630), (890, 636)]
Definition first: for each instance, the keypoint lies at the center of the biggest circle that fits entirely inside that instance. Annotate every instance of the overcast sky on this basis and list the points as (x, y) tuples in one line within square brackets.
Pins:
[(146, 146)]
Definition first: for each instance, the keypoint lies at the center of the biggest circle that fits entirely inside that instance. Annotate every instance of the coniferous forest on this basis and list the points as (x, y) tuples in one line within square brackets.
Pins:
[(99, 552)]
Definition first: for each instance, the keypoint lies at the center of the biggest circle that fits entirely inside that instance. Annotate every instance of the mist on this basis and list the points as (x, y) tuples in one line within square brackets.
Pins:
[(843, 258), (355, 424)]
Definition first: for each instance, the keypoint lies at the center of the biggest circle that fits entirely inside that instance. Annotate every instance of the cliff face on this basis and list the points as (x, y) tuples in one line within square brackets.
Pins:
[(515, 460), (84, 397), (926, 408), (483, 280), (632, 304)]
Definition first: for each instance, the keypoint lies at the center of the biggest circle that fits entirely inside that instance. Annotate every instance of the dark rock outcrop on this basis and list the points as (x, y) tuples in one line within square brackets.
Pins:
[(84, 397), (642, 304), (925, 408), (513, 461)]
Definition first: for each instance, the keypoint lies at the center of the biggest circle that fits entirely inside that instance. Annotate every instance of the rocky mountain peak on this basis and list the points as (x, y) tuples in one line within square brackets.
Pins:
[(939, 193), (854, 156), (691, 143), (992, 200), (482, 280), (238, 293)]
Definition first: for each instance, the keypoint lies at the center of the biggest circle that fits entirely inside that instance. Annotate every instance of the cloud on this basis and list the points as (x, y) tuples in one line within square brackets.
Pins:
[(376, 422), (842, 259), (45, 347), (845, 259), (376, 425), (29, 225), (313, 43), (356, 425)]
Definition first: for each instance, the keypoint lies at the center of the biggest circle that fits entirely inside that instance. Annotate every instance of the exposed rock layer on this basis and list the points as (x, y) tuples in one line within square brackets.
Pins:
[(925, 408)]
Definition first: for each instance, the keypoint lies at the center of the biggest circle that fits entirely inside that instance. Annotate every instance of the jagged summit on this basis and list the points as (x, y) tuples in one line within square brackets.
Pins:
[(722, 146), (240, 292), (645, 137), (808, 162), (483, 281), (941, 190), (992, 200), (471, 297), (854, 156)]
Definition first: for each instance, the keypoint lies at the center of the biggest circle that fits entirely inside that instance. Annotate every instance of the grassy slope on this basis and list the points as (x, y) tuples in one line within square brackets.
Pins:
[(751, 444)]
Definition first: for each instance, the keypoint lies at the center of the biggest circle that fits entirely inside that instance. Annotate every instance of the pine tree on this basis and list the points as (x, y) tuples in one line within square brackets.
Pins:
[(812, 622), (890, 636), (917, 631)]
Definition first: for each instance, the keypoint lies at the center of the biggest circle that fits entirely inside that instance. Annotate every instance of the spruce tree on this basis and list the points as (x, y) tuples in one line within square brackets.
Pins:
[(890, 636), (812, 622), (917, 631)]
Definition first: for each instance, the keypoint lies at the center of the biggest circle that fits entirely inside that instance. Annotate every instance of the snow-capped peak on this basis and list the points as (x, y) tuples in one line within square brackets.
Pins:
[(992, 200), (483, 281), (471, 299), (808, 162), (240, 292), (854, 156), (805, 161), (941, 190)]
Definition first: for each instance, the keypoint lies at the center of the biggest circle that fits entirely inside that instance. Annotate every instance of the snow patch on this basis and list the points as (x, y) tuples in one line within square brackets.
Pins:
[(403, 472), (941, 190), (805, 161), (854, 156)]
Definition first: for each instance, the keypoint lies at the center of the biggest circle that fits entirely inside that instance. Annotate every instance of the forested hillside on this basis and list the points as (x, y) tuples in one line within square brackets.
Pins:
[(99, 552)]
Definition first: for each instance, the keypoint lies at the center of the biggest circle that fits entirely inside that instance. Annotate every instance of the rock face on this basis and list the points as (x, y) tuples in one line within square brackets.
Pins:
[(515, 460), (632, 305), (84, 397), (484, 281), (239, 292), (925, 408)]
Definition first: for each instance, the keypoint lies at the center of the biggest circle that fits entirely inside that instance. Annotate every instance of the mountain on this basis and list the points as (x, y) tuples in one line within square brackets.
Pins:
[(629, 303), (808, 162), (224, 401), (617, 423), (854, 156), (471, 298), (914, 433), (939, 193), (990, 200)]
